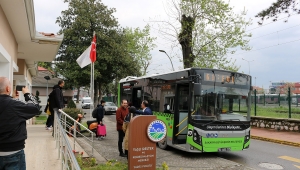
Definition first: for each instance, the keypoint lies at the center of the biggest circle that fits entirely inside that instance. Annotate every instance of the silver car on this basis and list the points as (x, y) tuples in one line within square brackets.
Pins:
[(110, 108), (86, 103)]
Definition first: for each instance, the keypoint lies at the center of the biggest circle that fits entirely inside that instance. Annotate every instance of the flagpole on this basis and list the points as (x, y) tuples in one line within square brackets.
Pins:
[(91, 91), (92, 75), (94, 84)]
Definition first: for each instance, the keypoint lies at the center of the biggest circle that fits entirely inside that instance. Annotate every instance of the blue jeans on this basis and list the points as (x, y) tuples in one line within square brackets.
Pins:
[(15, 161)]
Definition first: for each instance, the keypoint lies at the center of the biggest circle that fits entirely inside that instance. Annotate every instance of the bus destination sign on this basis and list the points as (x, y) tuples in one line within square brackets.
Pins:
[(228, 79)]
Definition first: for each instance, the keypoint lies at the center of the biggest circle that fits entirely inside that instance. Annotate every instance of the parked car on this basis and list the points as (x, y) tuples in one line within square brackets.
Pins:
[(86, 102), (110, 108)]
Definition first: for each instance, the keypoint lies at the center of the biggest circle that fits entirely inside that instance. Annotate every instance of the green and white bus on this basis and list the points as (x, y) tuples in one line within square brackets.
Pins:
[(205, 110)]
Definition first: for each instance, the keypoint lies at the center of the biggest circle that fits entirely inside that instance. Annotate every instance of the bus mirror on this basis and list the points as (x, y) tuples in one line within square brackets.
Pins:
[(197, 89)]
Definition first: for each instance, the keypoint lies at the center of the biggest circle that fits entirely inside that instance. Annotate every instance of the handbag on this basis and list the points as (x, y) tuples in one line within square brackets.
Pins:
[(48, 110)]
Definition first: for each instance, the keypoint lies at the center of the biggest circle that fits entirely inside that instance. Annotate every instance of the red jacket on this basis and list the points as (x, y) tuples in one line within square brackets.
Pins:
[(120, 115)]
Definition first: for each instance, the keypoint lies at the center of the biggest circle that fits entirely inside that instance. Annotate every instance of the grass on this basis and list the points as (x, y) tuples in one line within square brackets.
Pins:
[(41, 119), (90, 164), (276, 112)]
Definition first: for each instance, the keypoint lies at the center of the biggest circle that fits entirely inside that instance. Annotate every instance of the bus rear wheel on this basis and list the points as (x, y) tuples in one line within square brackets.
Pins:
[(163, 144)]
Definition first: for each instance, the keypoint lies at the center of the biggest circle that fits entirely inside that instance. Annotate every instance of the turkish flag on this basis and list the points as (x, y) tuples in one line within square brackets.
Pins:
[(93, 50)]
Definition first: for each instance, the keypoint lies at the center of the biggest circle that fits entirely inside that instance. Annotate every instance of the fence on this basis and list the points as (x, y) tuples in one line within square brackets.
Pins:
[(65, 150), (276, 105)]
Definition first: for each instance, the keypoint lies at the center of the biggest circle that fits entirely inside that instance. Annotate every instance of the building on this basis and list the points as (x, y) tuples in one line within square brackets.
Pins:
[(259, 90), (274, 86), (281, 87), (21, 46), (40, 83)]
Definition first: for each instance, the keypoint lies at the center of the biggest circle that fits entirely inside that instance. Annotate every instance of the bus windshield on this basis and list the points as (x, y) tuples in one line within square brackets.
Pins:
[(220, 103)]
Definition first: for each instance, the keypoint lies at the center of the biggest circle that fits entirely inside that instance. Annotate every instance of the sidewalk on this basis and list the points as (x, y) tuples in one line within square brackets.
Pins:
[(282, 137), (40, 151)]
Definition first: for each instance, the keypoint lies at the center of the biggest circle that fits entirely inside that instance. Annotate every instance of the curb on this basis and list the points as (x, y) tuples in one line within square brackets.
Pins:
[(276, 141)]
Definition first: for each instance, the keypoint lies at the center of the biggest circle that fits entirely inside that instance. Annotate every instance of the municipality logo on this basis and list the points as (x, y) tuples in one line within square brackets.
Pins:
[(156, 130)]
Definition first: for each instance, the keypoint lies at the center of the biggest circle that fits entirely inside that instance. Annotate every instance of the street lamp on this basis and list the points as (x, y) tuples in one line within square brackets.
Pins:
[(248, 64), (163, 51), (47, 78)]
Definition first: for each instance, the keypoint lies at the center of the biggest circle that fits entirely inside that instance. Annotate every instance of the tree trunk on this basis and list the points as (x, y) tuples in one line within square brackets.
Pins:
[(116, 87), (100, 93), (185, 40), (78, 92), (96, 94)]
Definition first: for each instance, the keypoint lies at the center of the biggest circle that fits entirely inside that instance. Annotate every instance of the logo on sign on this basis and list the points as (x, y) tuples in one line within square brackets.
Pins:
[(156, 131)]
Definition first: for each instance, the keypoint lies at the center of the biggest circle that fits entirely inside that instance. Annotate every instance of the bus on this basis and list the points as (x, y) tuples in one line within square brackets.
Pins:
[(205, 110)]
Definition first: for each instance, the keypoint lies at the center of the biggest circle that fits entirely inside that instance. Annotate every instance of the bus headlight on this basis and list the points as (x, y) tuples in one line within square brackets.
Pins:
[(197, 138), (247, 138)]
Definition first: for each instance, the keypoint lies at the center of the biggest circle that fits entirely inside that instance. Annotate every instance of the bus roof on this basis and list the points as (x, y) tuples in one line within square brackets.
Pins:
[(135, 78)]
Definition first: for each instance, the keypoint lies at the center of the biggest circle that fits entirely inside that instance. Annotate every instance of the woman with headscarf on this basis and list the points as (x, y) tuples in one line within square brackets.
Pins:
[(126, 125)]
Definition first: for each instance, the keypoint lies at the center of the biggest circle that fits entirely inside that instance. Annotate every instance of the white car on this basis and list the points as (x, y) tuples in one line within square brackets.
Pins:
[(86, 102), (110, 108)]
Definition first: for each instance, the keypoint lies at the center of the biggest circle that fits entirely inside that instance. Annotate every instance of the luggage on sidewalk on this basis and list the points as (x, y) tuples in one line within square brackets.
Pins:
[(101, 130)]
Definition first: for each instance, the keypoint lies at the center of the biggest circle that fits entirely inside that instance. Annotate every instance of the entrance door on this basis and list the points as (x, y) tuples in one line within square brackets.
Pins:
[(137, 97), (181, 113)]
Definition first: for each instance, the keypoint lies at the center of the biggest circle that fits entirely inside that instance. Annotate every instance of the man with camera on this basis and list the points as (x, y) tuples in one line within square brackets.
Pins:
[(13, 133)]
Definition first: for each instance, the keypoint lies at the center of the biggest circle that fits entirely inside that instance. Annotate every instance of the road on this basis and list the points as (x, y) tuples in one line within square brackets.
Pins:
[(261, 155)]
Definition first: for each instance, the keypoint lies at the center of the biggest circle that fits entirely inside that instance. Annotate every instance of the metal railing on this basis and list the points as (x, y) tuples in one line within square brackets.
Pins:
[(60, 132)]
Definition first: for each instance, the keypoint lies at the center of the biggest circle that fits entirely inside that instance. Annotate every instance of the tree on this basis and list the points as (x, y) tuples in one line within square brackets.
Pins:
[(206, 30), (288, 7), (71, 104), (140, 43), (46, 65), (285, 88), (114, 60), (37, 94)]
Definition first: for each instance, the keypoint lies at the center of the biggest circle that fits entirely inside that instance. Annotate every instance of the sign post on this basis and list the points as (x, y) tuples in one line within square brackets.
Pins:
[(144, 132)]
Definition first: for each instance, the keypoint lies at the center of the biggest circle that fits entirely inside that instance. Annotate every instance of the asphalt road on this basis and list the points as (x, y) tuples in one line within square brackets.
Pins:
[(261, 155), (266, 155)]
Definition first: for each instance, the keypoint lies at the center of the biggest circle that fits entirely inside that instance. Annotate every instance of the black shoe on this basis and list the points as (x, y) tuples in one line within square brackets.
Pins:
[(122, 155)]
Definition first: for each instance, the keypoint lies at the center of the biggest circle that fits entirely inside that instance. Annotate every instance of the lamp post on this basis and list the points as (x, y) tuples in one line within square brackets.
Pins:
[(47, 78), (163, 51), (248, 64)]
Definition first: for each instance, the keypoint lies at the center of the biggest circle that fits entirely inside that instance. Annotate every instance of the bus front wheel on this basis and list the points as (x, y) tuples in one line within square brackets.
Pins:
[(163, 144)]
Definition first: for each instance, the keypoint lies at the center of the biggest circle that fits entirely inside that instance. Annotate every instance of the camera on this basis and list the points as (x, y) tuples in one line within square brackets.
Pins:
[(19, 87)]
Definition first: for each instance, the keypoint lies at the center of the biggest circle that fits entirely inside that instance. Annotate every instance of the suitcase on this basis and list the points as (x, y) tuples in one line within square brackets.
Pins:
[(101, 130)]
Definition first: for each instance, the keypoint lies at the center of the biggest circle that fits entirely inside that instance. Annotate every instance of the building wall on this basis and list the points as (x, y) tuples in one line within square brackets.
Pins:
[(7, 38), (8, 49)]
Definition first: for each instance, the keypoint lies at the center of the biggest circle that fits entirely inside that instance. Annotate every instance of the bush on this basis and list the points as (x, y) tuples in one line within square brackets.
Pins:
[(72, 112), (71, 104), (37, 94)]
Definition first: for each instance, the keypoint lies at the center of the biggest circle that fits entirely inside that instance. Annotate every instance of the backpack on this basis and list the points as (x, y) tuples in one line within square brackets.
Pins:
[(94, 113)]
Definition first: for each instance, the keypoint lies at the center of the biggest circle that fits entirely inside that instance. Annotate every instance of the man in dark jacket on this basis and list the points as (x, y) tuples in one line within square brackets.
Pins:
[(146, 110), (100, 112), (13, 133), (57, 98)]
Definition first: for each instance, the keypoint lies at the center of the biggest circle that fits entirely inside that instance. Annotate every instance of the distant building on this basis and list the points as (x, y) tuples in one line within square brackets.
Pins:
[(281, 88), (39, 83), (259, 90), (274, 86)]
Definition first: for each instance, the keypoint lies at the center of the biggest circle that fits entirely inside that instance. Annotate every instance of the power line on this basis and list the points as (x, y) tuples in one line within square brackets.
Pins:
[(276, 32), (270, 22), (267, 47)]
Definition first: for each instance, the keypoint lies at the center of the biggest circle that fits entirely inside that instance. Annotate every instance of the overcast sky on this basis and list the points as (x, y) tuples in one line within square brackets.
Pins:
[(275, 54)]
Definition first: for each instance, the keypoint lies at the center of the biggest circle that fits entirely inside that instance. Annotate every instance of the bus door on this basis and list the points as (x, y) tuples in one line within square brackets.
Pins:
[(181, 113), (136, 99)]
